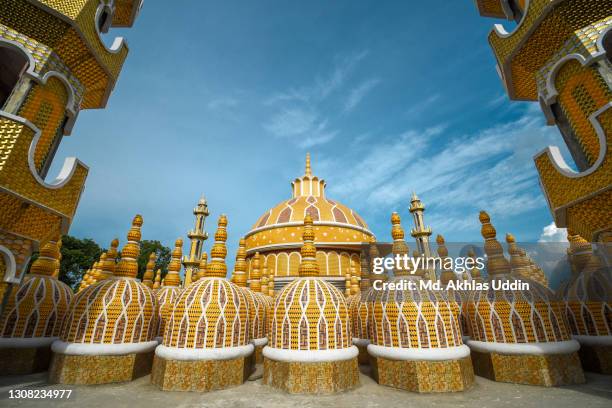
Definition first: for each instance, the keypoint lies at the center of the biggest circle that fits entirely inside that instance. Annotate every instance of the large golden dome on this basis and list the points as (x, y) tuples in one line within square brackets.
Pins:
[(339, 232)]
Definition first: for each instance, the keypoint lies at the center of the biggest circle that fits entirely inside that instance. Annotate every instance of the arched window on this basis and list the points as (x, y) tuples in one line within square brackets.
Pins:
[(12, 66)]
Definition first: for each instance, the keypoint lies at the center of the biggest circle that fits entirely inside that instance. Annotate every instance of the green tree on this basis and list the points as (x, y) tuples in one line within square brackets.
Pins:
[(163, 256), (78, 255)]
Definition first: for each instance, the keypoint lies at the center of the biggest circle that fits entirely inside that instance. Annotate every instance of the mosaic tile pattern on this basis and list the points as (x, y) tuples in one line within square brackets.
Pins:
[(201, 375), (311, 378), (71, 369), (19, 361), (548, 370), (424, 376)]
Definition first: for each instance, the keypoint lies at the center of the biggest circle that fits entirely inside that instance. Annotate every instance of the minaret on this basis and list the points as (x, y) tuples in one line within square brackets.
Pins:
[(309, 266), (197, 237), (421, 233), (147, 278)]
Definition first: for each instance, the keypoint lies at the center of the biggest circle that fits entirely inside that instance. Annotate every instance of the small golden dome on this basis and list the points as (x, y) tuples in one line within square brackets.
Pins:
[(132, 319), (218, 317), (310, 313), (37, 307)]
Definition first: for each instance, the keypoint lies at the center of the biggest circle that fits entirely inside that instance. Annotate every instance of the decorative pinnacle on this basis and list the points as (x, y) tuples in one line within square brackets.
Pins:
[(217, 267), (157, 282), (308, 171), (240, 265), (442, 250), (172, 277), (399, 244), (147, 278), (416, 204), (496, 261), (255, 281), (128, 265), (48, 259), (203, 265), (308, 266), (109, 265)]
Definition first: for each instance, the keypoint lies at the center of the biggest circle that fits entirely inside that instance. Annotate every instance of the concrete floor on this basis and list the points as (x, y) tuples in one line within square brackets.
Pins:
[(597, 392)]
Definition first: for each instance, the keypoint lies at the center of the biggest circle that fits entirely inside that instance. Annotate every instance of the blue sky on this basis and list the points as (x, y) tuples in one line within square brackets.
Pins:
[(225, 99)]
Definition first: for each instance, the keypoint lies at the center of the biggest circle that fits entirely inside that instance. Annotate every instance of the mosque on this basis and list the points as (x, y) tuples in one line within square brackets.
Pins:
[(300, 304)]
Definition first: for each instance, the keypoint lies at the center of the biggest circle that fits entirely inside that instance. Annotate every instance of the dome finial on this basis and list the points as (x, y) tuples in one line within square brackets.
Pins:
[(308, 266), (496, 261), (202, 266), (128, 265), (48, 259), (157, 282), (400, 247), (240, 264), (172, 277), (217, 267), (308, 171), (147, 278)]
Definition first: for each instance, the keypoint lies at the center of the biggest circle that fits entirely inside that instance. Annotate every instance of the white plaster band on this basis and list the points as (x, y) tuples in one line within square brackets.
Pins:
[(541, 348), (361, 342), (26, 342), (259, 342), (592, 340), (310, 356), (90, 349), (420, 354), (191, 354)]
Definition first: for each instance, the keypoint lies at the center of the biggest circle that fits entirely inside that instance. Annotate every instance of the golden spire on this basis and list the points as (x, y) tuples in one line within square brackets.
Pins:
[(497, 263), (147, 278), (446, 274), (96, 270), (157, 282), (400, 247), (255, 275), (579, 251), (308, 171), (128, 265), (109, 265), (217, 267), (47, 261), (239, 274), (308, 266), (173, 278), (374, 253), (203, 266)]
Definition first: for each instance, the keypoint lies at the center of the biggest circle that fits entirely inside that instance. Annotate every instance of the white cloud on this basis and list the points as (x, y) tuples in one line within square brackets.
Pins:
[(422, 106), (358, 93), (298, 115), (490, 170), (551, 233)]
